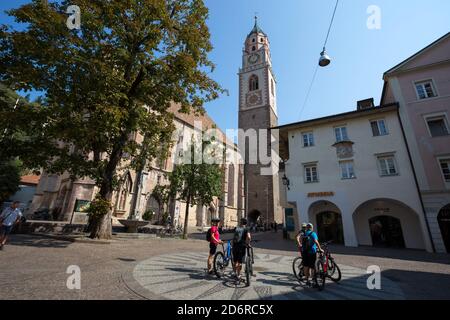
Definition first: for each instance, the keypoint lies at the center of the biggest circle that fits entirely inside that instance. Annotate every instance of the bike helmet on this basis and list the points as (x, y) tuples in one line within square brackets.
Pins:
[(310, 225)]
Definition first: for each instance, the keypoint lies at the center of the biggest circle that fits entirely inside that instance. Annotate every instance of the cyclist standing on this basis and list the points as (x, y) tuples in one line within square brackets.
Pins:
[(214, 239), (300, 235), (309, 247), (241, 240)]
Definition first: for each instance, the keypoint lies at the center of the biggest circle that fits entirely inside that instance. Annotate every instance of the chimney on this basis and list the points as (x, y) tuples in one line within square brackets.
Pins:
[(366, 104)]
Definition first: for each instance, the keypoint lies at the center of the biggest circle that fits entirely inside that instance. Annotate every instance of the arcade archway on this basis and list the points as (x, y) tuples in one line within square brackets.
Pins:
[(388, 223), (327, 218), (253, 217), (444, 225)]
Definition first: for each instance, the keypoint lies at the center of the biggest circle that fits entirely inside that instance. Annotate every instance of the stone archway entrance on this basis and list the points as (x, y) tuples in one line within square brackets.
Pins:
[(253, 217), (444, 225), (327, 218), (388, 223)]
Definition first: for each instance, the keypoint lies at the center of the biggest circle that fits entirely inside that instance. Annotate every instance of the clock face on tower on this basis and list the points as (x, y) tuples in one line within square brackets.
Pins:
[(253, 58), (253, 98)]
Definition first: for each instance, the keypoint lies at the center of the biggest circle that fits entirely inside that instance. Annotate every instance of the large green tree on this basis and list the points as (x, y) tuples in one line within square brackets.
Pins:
[(107, 82), (196, 182), (9, 179)]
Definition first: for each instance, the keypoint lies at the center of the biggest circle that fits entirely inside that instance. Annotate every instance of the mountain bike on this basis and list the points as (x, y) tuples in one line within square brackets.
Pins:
[(249, 261), (222, 260), (332, 269), (297, 268), (320, 273)]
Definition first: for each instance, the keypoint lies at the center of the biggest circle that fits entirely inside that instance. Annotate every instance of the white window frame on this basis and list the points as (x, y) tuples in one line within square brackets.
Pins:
[(440, 161), (340, 133), (423, 83), (380, 168), (347, 171), (436, 116), (305, 175), (377, 121), (310, 139)]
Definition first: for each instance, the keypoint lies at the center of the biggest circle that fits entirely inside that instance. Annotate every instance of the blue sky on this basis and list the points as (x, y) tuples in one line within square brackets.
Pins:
[(297, 30)]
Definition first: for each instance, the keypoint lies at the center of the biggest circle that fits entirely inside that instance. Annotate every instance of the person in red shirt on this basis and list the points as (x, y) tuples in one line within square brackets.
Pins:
[(215, 240)]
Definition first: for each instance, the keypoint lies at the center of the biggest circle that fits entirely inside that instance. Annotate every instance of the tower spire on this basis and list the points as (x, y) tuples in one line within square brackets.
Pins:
[(256, 28)]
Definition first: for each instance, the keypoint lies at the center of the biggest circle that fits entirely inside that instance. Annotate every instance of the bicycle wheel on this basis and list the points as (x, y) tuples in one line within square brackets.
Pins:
[(320, 275), (219, 264), (335, 275), (248, 271), (297, 268)]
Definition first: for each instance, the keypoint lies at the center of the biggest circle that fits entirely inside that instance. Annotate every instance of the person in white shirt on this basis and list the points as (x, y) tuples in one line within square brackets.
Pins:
[(8, 219)]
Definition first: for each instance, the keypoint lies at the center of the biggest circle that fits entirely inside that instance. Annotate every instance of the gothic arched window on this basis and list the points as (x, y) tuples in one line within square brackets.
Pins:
[(253, 83), (230, 200), (126, 189)]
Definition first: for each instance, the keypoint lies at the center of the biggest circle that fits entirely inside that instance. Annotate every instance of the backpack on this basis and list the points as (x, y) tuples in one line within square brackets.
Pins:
[(208, 235), (307, 242), (240, 235)]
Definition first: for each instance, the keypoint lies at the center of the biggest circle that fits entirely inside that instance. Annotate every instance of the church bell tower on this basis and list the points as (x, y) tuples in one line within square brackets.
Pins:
[(258, 110)]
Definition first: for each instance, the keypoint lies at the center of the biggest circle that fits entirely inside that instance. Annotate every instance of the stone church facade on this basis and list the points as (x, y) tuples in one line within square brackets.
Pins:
[(59, 193)]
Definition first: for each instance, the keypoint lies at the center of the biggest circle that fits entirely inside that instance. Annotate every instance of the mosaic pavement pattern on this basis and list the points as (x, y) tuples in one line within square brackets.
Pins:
[(182, 276)]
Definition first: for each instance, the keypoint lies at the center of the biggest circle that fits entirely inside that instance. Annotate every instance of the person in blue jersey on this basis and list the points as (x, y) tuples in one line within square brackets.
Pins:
[(310, 247)]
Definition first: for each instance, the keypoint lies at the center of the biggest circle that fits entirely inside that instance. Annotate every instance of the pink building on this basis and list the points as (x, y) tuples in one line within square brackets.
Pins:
[(421, 85)]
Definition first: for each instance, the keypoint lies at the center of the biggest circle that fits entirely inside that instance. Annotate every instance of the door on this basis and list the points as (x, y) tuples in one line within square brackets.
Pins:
[(329, 227), (386, 232), (444, 225)]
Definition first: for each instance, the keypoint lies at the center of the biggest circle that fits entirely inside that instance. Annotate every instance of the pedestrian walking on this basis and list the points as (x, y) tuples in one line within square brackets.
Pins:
[(8, 219)]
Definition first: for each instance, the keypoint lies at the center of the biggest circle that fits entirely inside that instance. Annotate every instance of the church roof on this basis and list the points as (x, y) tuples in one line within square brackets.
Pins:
[(256, 29)]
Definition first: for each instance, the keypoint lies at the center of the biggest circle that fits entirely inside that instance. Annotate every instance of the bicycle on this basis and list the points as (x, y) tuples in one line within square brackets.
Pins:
[(222, 260), (319, 272), (328, 265), (333, 271), (249, 262), (170, 231), (297, 268)]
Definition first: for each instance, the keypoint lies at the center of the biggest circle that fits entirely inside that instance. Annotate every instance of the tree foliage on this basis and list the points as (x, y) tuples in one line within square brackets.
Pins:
[(9, 179), (105, 84), (196, 183)]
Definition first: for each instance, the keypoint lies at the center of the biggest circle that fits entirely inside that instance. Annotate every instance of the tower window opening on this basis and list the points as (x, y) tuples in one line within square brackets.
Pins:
[(254, 83), (253, 48)]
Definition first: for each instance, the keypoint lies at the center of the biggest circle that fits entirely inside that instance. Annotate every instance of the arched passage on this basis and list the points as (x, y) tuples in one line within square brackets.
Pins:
[(444, 225), (388, 223), (327, 218), (253, 217)]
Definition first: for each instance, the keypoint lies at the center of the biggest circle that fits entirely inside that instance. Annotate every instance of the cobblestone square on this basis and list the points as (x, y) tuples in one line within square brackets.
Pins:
[(35, 267)]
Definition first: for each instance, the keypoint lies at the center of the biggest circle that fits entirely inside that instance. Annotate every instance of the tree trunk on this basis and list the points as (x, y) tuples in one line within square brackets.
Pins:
[(186, 219), (136, 194)]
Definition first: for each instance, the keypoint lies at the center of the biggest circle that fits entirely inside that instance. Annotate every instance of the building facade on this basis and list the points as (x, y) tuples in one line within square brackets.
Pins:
[(257, 114), (351, 176), (62, 195), (421, 86)]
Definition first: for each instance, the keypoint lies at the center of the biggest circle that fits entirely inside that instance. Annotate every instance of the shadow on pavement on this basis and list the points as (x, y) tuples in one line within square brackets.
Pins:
[(38, 242), (274, 241), (421, 285)]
